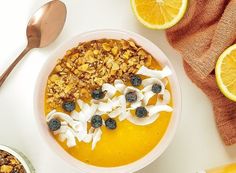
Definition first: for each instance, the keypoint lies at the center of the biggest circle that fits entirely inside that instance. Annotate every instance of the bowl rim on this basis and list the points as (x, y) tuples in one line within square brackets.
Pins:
[(19, 156), (150, 47)]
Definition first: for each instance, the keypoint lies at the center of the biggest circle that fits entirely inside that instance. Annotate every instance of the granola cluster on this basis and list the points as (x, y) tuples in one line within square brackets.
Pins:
[(91, 64), (9, 164)]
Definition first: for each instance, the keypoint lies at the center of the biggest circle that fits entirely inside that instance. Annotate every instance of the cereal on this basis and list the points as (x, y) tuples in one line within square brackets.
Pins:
[(9, 164), (91, 64)]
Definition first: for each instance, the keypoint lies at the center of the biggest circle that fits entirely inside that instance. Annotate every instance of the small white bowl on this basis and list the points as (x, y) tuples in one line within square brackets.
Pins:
[(109, 34), (20, 157)]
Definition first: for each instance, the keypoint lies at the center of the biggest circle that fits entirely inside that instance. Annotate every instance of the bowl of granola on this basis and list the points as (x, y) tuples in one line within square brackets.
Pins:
[(12, 161), (108, 101)]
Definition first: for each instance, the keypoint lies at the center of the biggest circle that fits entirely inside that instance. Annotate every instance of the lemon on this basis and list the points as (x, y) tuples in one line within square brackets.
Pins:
[(159, 14), (226, 72)]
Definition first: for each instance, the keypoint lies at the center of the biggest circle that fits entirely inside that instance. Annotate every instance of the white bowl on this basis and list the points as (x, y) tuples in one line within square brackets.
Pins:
[(20, 157), (110, 34)]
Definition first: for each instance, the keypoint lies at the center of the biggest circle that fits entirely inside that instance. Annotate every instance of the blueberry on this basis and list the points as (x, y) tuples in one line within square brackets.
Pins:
[(136, 80), (156, 88), (54, 124), (141, 112), (68, 106), (131, 97), (96, 121), (98, 94), (110, 123)]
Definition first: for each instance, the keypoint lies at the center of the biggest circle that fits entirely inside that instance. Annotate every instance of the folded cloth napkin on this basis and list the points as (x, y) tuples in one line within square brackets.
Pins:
[(207, 29)]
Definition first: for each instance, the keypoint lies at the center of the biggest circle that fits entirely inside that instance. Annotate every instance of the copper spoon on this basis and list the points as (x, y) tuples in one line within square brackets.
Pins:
[(43, 28)]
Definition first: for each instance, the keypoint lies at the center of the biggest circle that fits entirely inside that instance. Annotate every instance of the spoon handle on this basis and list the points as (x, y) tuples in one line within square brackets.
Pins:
[(4, 76)]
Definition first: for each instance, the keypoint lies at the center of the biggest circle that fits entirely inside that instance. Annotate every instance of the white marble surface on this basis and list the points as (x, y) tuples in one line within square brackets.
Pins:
[(196, 145)]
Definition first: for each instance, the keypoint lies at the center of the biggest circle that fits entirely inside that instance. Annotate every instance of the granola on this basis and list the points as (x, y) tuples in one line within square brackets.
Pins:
[(9, 164), (91, 64)]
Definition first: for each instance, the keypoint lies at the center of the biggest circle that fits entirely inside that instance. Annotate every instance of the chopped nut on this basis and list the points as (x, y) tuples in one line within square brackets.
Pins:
[(68, 65), (132, 44), (83, 67), (106, 47), (115, 66), (148, 61), (58, 68), (114, 50), (54, 78), (95, 52)]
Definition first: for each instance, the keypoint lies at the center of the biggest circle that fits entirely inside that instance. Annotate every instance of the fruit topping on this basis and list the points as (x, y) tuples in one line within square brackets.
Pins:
[(136, 80), (110, 123), (156, 88), (141, 112), (96, 121), (98, 94), (54, 124), (68, 106), (131, 97)]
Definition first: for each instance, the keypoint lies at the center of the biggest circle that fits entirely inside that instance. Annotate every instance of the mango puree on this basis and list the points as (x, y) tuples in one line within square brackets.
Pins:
[(126, 144)]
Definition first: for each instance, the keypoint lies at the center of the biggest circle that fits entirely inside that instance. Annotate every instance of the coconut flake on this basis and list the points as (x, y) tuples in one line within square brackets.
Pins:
[(166, 98), (115, 102), (88, 138), (123, 114), (115, 113), (110, 90), (64, 123), (136, 104), (147, 96), (105, 107), (79, 116), (119, 85), (80, 103), (77, 126), (142, 121), (96, 137), (84, 106), (69, 136), (152, 110), (50, 114), (75, 115), (155, 73), (62, 137), (86, 112), (62, 129), (71, 142), (81, 135)]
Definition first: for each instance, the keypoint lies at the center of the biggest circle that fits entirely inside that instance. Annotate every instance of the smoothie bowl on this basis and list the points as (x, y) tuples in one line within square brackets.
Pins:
[(108, 101)]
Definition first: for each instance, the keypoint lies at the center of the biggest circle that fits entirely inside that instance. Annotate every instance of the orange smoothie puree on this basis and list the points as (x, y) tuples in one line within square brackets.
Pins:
[(126, 144)]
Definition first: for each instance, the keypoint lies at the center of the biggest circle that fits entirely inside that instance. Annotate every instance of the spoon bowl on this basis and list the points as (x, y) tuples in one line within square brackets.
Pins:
[(46, 24), (43, 28)]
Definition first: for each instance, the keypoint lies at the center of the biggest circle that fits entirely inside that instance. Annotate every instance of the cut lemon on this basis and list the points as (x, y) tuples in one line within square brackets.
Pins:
[(226, 72), (159, 14)]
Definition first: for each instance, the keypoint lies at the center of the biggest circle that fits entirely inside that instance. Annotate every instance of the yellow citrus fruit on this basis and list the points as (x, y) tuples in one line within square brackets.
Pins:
[(226, 72), (159, 14)]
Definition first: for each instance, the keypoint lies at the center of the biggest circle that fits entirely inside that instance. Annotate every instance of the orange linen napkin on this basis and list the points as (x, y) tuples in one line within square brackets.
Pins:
[(207, 29)]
